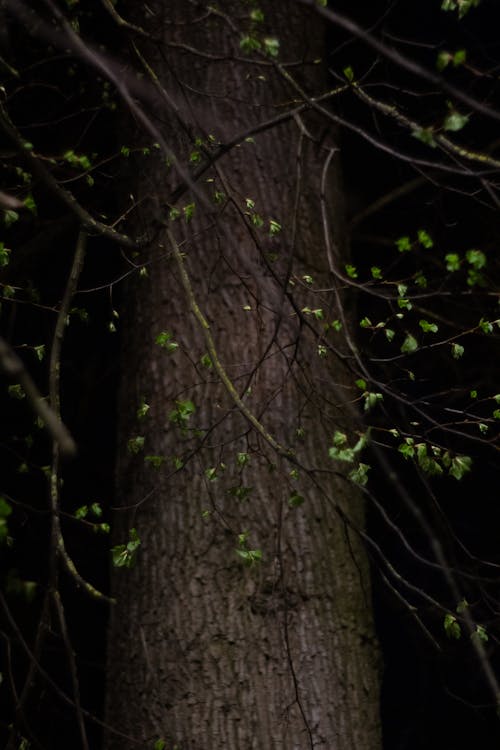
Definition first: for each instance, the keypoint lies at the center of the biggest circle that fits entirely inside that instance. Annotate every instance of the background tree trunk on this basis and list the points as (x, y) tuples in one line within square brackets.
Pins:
[(206, 650)]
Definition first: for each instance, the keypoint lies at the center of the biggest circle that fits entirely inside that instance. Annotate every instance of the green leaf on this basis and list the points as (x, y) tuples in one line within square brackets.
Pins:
[(460, 465), (428, 327), (360, 475), (406, 449), (136, 444), (4, 255), (425, 239), (351, 271), (403, 244), (155, 461), (451, 626), (271, 46), (348, 71), (295, 500), (274, 227), (258, 16), (242, 459), (82, 512), (463, 6), (124, 555), (249, 43), (240, 492), (164, 339), (427, 463), (459, 57), (371, 400), (10, 217), (425, 135), (454, 121), (142, 410), (96, 509), (443, 60), (452, 262), (457, 351), (476, 258), (160, 745), (485, 326), (250, 556), (206, 361), (420, 280), (16, 391), (409, 345), (480, 634), (376, 272), (188, 211)]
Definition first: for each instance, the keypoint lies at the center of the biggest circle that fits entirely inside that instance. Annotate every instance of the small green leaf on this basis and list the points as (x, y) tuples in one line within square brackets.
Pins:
[(142, 410), (164, 339), (460, 465), (454, 121), (258, 16), (425, 239), (271, 46), (459, 57), (428, 327), (480, 634), (295, 500), (274, 227), (10, 217), (403, 244), (360, 475), (451, 626), (443, 60), (457, 351), (485, 326), (206, 361), (242, 459), (16, 391), (425, 135), (376, 272), (188, 211), (124, 555), (407, 449), (351, 271), (371, 400), (452, 262), (249, 43), (409, 345), (155, 461), (136, 444), (96, 509), (82, 512), (348, 71), (476, 258), (160, 745)]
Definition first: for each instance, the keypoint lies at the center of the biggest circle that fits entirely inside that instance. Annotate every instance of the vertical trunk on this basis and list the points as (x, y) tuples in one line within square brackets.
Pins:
[(209, 647)]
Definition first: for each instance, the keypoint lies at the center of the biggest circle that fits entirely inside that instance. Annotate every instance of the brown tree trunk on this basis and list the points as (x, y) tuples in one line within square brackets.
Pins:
[(209, 647)]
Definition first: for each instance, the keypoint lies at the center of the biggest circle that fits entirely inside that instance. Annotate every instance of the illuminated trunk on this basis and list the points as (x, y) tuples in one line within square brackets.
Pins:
[(246, 621)]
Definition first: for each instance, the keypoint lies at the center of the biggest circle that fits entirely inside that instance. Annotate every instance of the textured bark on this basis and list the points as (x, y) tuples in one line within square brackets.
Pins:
[(204, 650)]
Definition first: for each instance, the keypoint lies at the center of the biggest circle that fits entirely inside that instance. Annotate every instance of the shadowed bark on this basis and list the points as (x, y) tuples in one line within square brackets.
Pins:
[(210, 647)]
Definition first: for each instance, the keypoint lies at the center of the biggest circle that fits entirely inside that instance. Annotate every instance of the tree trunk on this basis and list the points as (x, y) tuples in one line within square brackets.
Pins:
[(246, 621)]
